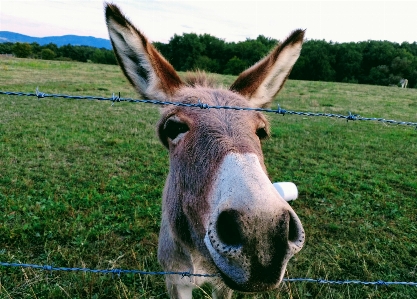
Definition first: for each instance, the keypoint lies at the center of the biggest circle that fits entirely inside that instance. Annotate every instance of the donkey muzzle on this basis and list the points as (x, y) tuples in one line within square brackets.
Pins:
[(252, 232), (252, 252)]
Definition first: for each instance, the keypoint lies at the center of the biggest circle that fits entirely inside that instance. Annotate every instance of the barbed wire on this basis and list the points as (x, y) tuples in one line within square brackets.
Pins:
[(118, 272), (104, 271), (279, 110)]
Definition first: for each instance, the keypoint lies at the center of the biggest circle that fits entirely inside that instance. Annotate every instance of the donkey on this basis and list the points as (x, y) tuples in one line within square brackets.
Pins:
[(403, 83), (220, 212)]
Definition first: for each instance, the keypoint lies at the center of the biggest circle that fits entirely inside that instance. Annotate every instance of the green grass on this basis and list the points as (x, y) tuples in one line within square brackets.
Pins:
[(81, 184)]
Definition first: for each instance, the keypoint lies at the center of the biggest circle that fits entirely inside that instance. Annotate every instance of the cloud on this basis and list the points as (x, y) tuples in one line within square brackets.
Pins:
[(340, 21)]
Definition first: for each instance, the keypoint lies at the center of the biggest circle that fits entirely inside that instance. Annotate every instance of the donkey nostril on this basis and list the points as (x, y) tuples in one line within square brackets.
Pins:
[(292, 230), (228, 229), (295, 230)]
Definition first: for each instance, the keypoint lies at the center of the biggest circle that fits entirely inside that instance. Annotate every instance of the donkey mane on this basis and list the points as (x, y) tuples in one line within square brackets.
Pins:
[(201, 79)]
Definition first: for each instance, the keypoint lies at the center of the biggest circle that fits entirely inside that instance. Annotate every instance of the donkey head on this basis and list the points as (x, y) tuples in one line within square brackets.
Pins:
[(220, 211)]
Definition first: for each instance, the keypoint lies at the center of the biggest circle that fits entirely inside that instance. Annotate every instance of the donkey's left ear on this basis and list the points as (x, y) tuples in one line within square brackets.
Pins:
[(260, 83)]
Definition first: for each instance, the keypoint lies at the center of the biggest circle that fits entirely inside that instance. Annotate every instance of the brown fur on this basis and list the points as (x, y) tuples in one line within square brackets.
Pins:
[(199, 142), (249, 80), (210, 138), (169, 81), (200, 78)]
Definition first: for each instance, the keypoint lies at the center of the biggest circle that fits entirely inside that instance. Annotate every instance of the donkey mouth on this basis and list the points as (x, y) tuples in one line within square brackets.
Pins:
[(260, 280), (244, 272)]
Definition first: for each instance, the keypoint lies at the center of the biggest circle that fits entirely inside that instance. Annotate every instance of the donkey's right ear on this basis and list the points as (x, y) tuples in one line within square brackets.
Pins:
[(147, 70)]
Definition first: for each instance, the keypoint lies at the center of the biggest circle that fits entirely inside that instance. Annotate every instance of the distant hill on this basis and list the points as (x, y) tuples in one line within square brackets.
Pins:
[(74, 40)]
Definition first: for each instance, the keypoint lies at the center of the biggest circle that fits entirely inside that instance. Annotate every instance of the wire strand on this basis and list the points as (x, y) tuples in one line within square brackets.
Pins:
[(189, 274), (201, 105)]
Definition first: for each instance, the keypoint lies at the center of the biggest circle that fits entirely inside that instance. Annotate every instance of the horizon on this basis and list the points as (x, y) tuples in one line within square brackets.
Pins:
[(107, 39), (233, 21)]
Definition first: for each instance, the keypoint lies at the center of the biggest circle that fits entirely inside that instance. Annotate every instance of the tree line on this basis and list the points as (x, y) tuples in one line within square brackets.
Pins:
[(53, 52), (367, 62)]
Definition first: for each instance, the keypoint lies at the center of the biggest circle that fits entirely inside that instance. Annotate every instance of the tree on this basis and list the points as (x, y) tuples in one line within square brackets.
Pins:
[(47, 54), (98, 56), (207, 64), (250, 51), (109, 57), (412, 79), (369, 62), (36, 50), (184, 52), (375, 54), (267, 41), (22, 50), (348, 62), (317, 60), (52, 47), (235, 66), (379, 75), (404, 63), (6, 48), (214, 50)]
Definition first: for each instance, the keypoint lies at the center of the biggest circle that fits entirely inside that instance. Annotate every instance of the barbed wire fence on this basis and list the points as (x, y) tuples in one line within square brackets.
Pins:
[(118, 272), (199, 104)]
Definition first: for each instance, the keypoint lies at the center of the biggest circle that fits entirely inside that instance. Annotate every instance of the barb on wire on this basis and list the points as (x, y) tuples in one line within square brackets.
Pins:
[(280, 111), (118, 272), (39, 94), (352, 116), (201, 105), (115, 99)]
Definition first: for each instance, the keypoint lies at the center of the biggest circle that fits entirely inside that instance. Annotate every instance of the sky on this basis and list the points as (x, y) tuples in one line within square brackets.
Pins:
[(337, 21)]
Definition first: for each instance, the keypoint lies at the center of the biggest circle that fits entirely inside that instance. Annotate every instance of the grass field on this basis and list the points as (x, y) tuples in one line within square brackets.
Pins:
[(81, 184)]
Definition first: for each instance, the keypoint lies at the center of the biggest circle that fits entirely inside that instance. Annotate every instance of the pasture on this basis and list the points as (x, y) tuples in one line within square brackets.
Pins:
[(81, 184)]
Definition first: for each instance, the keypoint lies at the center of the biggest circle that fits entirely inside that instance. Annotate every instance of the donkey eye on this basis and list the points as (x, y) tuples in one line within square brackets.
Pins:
[(173, 128), (262, 133)]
